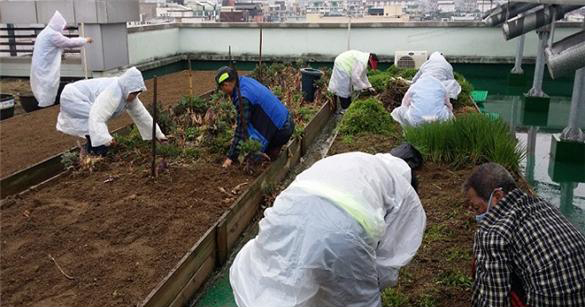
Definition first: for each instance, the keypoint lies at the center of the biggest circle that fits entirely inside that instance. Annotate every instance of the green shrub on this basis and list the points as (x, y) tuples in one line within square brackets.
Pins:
[(464, 98), (379, 81), (307, 113), (168, 150), (129, 140), (191, 133), (472, 138), (192, 153), (406, 73), (194, 103), (366, 116)]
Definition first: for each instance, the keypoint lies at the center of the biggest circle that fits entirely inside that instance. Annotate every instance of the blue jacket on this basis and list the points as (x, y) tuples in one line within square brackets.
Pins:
[(267, 113)]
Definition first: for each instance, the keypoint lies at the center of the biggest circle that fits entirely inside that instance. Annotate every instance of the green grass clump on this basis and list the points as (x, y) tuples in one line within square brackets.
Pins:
[(469, 139), (192, 153), (392, 298), (129, 140), (366, 115), (406, 73), (194, 103), (168, 150), (379, 81), (307, 113), (464, 98), (454, 279)]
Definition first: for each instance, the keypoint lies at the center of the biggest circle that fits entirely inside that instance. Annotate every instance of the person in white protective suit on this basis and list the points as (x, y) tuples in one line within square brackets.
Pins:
[(87, 105), (438, 67), (425, 101), (350, 71), (336, 236), (45, 70)]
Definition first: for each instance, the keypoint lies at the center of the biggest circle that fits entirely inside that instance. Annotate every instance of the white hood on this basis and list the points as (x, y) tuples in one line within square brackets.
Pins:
[(57, 22), (131, 81)]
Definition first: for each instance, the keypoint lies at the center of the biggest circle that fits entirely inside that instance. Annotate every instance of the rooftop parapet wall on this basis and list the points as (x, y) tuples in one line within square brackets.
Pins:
[(460, 41)]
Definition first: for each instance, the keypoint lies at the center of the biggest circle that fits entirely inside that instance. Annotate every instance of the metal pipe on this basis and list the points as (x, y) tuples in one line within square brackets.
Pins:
[(566, 206), (566, 56), (573, 131), (349, 33), (507, 12), (153, 166), (519, 55), (524, 24), (536, 90), (555, 1), (531, 153)]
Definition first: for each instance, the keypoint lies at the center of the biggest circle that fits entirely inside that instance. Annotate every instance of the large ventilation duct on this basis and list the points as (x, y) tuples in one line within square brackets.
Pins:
[(566, 56), (524, 24), (497, 17)]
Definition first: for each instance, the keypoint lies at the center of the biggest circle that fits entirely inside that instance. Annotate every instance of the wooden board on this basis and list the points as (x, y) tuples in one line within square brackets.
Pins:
[(314, 127)]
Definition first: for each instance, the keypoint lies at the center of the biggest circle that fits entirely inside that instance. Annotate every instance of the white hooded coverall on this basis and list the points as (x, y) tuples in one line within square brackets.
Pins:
[(438, 67), (335, 237), (87, 105), (350, 69), (45, 70), (425, 101)]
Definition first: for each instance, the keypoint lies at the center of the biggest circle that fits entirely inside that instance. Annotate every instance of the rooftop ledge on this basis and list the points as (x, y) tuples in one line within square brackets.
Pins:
[(298, 25)]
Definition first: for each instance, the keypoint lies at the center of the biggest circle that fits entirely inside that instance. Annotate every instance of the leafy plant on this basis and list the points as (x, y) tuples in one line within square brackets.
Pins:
[(427, 301), (455, 279), (192, 153), (165, 120), (248, 148), (406, 73), (469, 139), (457, 254), (191, 133), (392, 298), (307, 113), (70, 159), (193, 103), (129, 140), (168, 150), (277, 91), (464, 98), (366, 116), (379, 81)]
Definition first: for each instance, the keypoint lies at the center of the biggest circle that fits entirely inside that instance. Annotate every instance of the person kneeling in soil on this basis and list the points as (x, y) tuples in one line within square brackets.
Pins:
[(438, 67), (425, 101), (87, 105), (526, 253), (267, 120), (336, 236), (351, 70), (45, 69)]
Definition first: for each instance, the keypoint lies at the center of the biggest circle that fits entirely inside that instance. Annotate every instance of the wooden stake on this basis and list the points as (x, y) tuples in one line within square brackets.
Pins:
[(260, 58), (83, 54), (154, 111), (190, 77)]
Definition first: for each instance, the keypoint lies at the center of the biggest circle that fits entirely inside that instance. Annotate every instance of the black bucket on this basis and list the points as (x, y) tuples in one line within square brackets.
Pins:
[(28, 102), (308, 78), (6, 106)]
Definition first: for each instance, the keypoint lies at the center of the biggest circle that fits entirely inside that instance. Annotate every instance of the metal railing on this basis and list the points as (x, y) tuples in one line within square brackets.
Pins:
[(20, 40)]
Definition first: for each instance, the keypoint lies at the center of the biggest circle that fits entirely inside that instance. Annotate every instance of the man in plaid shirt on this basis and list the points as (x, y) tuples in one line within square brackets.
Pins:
[(527, 253)]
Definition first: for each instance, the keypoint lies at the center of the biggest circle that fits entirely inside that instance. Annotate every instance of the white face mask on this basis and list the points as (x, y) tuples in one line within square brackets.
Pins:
[(480, 217)]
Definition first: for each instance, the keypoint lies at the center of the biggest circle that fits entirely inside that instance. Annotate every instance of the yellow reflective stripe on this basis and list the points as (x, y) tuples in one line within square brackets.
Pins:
[(346, 61), (372, 224), (223, 77)]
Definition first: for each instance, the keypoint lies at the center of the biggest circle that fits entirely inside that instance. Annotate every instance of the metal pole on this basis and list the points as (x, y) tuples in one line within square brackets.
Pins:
[(83, 53), (566, 205), (11, 39), (531, 141), (573, 132), (519, 55), (154, 111), (349, 33), (536, 90)]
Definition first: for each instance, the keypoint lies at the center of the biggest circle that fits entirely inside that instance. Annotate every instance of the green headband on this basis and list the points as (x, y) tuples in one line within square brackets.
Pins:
[(223, 77)]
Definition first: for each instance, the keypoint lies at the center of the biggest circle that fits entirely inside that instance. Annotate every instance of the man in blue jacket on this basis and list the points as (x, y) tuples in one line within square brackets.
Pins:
[(267, 120)]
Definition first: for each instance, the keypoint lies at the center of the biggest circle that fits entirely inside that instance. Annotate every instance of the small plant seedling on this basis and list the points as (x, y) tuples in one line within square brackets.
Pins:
[(192, 153), (392, 298), (456, 254), (455, 279), (277, 91), (436, 232), (427, 300), (248, 149), (191, 133), (191, 103), (168, 150), (70, 160), (306, 113)]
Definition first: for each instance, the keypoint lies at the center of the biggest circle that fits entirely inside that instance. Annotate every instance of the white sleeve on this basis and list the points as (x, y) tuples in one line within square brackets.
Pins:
[(359, 77), (405, 225), (62, 41), (143, 120), (101, 111)]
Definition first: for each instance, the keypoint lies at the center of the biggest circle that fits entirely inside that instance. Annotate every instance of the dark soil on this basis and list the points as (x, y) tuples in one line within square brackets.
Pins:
[(392, 96), (118, 239), (31, 137)]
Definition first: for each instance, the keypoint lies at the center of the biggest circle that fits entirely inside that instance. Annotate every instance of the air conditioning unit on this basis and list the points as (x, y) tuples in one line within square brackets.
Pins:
[(409, 59)]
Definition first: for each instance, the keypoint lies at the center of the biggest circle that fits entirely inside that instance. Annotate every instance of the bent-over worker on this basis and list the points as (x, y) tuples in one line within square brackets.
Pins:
[(425, 101), (527, 253), (45, 69), (267, 120), (87, 106), (438, 67), (350, 70), (336, 236)]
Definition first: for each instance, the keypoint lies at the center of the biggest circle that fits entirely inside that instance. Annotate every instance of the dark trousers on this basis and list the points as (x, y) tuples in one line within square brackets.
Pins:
[(101, 150), (280, 138), (344, 102)]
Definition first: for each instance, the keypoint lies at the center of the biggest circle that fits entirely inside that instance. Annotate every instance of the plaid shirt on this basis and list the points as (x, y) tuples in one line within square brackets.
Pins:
[(234, 151), (530, 238)]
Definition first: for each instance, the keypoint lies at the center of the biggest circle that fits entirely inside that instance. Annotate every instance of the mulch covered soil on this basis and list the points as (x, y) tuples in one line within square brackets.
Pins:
[(30, 138), (116, 232), (440, 273)]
